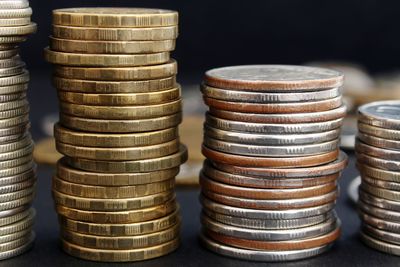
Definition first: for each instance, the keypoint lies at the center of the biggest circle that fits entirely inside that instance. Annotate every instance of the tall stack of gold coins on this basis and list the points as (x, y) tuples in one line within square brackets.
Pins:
[(378, 160), (17, 169), (120, 108), (269, 183)]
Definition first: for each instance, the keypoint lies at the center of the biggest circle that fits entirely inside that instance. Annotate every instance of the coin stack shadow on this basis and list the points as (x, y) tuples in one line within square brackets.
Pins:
[(17, 169), (378, 160), (269, 183), (120, 108)]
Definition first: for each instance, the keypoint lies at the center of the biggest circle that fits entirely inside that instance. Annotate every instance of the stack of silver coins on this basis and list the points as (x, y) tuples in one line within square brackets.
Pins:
[(269, 183), (17, 169), (378, 160)]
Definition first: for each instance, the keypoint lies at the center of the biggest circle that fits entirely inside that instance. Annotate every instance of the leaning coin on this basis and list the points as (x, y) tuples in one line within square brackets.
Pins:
[(104, 60), (270, 151), (14, 4), (377, 184), (380, 192), (265, 214), (263, 97), (118, 74), (380, 153), (379, 174), (379, 223), (112, 179), (381, 234), (261, 255), (114, 87), (117, 154), (77, 138), (121, 112), (379, 132), (111, 47), (131, 229), (334, 167), (378, 142), (107, 255), (17, 30), (121, 242), (272, 128), (147, 165), (273, 78), (271, 139), (247, 161), (380, 245), (273, 108), (378, 202), (385, 164), (113, 192), (19, 250), (115, 34), (120, 99), (115, 17), (17, 217), (383, 114), (15, 13), (262, 224), (130, 216)]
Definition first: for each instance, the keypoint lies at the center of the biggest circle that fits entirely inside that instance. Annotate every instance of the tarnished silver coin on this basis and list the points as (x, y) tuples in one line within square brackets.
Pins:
[(380, 245), (380, 184), (380, 192), (380, 153), (379, 212), (378, 202), (385, 114), (383, 235), (379, 174), (379, 223), (385, 164), (297, 128), (379, 142), (379, 132), (261, 255), (14, 89), (11, 212), (10, 62)]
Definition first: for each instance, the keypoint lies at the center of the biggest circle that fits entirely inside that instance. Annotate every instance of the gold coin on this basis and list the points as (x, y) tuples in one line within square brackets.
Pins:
[(13, 80), (14, 89), (115, 17), (13, 104), (112, 192), (114, 87), (131, 216), (23, 201), (23, 142), (16, 217), (115, 34), (131, 229), (104, 60), (12, 39), (121, 112), (8, 51), (120, 126), (8, 123), (18, 187), (121, 242), (112, 179), (20, 153), (147, 165), (18, 30), (11, 172), (15, 22), (111, 47), (117, 154), (15, 13), (11, 198), (12, 113), (120, 99), (119, 74), (97, 204), (107, 255), (24, 224), (20, 129)]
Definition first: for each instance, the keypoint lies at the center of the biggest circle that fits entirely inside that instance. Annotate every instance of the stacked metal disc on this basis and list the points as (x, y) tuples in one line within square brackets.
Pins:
[(17, 169), (378, 160), (269, 183), (120, 108)]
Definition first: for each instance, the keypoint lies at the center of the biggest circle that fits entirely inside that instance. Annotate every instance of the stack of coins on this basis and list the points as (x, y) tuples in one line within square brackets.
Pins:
[(120, 108), (378, 160), (17, 169), (269, 182)]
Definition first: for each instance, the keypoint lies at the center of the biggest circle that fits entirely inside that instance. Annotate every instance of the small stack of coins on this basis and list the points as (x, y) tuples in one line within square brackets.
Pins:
[(17, 169), (269, 182), (378, 160), (120, 108)]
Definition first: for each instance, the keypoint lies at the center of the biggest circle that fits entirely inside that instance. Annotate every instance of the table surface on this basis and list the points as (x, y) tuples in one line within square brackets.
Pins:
[(348, 251)]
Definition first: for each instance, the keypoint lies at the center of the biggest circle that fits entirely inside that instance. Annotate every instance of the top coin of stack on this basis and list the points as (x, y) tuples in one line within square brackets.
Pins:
[(120, 107), (378, 160), (17, 169), (269, 183)]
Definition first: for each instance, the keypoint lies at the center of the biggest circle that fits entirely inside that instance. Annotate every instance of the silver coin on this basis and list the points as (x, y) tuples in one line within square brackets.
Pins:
[(320, 116), (380, 192), (379, 132), (13, 97), (9, 53), (385, 114), (376, 184), (16, 13), (377, 152), (27, 200), (378, 173), (17, 243), (19, 250), (17, 187), (12, 113), (7, 213), (389, 165), (272, 128), (261, 255), (16, 162), (6, 72), (380, 245), (380, 213), (17, 153), (23, 142), (256, 97), (18, 178), (21, 225), (381, 234), (269, 235), (268, 224), (13, 4), (6, 199), (270, 151), (12, 39), (379, 202), (13, 80), (11, 122), (379, 223), (4, 239), (15, 22), (265, 214), (16, 217), (269, 139), (14, 89), (379, 142), (10, 62)]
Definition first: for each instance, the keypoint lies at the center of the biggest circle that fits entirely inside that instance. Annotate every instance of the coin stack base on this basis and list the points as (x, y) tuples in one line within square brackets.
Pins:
[(269, 183), (120, 108), (378, 160)]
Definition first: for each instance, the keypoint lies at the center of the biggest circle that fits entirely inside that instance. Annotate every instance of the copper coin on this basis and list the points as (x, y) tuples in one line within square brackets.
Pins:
[(274, 108), (269, 162), (273, 78)]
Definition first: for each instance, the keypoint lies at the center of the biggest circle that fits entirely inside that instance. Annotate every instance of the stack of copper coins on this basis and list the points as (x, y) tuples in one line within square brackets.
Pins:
[(269, 183), (120, 108), (17, 169), (378, 160)]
